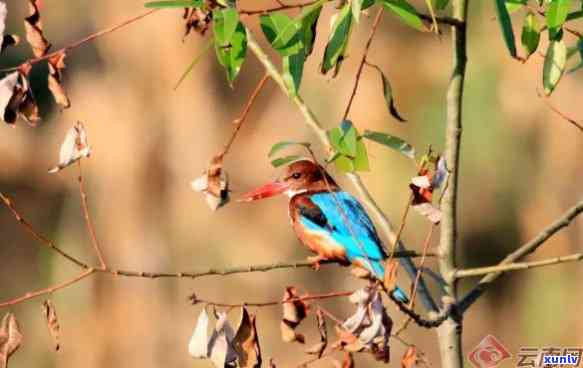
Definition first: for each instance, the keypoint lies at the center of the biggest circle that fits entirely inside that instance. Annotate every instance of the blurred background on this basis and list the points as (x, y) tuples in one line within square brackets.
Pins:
[(521, 168)]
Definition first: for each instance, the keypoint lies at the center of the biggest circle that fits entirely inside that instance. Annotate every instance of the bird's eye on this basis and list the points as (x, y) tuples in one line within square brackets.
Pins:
[(296, 176)]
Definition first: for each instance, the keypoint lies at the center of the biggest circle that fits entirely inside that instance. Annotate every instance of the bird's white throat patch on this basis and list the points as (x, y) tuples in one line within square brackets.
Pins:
[(294, 192)]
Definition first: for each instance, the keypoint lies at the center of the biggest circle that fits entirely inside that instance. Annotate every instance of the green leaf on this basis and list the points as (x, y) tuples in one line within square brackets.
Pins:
[(390, 141), (574, 15), (174, 4), (405, 11), (361, 160), (515, 5), (284, 144), (440, 4), (388, 93), (506, 25), (554, 65), (230, 41), (348, 142), (336, 47), (556, 15), (285, 160), (530, 34), (356, 9), (283, 33), (309, 20), (293, 69), (344, 164), (195, 61)]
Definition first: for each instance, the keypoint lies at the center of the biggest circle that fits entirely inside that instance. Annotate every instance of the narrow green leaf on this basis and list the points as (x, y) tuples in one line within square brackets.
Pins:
[(338, 41), (284, 144), (556, 15), (174, 4), (195, 61), (283, 33), (390, 141), (554, 65), (388, 93), (574, 15), (406, 13), (361, 160), (285, 160), (348, 142), (356, 9), (506, 25), (230, 41), (293, 70), (309, 20), (530, 34)]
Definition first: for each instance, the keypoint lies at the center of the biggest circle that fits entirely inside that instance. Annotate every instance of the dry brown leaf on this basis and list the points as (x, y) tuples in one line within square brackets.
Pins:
[(10, 338), (391, 270), (271, 363), (56, 66), (293, 312), (246, 342), (409, 358), (16, 98), (197, 20), (214, 184), (5, 40), (50, 314), (198, 344), (74, 147), (423, 186), (34, 30), (7, 91), (288, 333)]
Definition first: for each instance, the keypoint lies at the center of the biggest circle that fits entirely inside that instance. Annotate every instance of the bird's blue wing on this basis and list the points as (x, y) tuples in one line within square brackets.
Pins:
[(349, 225)]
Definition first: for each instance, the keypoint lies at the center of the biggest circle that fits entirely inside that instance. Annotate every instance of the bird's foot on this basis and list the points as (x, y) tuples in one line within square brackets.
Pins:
[(315, 261)]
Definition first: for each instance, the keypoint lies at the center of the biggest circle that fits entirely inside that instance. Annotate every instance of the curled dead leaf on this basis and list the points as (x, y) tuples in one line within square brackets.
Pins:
[(50, 313), (246, 342), (220, 348), (293, 314), (197, 19), (214, 184), (74, 147), (409, 358), (34, 30), (198, 344), (10, 338), (5, 40), (348, 361), (422, 187), (56, 66), (16, 98)]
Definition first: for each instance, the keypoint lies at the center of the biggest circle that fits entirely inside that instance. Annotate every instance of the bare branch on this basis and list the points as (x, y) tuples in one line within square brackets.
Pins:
[(450, 331), (83, 41), (377, 21), (35, 234), (480, 271), (52, 289), (276, 8), (308, 297), (87, 217), (520, 253), (550, 105)]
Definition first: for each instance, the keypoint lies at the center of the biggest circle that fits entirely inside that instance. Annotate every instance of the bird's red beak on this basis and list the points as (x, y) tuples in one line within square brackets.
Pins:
[(266, 191)]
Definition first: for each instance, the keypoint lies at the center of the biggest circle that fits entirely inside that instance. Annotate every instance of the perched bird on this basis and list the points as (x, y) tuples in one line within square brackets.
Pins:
[(328, 220)]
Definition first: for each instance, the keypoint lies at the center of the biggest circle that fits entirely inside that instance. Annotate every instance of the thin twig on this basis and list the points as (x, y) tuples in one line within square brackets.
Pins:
[(87, 217), (520, 253), (52, 289), (480, 271), (83, 41), (375, 25), (239, 122), (38, 236), (336, 294), (548, 102), (401, 226), (426, 244), (276, 8)]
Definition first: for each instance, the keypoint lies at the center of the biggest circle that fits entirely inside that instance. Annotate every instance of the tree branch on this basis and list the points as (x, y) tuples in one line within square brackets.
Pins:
[(312, 122), (520, 253), (480, 271), (450, 331)]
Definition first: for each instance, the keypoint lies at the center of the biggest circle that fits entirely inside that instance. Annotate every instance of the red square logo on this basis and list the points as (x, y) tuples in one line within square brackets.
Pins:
[(488, 353)]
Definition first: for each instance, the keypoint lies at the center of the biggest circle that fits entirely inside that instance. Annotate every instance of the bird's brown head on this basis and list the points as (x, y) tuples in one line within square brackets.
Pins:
[(299, 177)]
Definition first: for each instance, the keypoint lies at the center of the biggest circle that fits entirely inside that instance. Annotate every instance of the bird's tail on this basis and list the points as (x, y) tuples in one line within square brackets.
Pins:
[(378, 269)]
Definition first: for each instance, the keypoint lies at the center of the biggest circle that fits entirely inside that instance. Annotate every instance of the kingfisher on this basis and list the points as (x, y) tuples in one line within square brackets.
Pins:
[(329, 221)]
